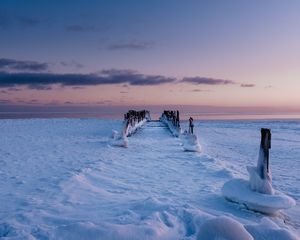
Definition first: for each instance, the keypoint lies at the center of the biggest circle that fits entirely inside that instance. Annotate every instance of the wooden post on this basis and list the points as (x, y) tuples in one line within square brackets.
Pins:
[(265, 144), (177, 118)]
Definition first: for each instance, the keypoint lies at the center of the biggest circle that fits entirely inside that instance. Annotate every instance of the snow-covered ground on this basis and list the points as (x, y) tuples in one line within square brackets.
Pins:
[(61, 179)]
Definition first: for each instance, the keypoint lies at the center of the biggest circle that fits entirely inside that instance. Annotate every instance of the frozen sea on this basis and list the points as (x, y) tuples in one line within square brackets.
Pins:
[(62, 179)]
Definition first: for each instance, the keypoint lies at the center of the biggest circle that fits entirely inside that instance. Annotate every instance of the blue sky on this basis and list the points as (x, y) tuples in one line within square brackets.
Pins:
[(254, 44)]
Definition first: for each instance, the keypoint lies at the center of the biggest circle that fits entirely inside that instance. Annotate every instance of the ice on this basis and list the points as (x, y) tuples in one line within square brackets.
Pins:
[(190, 142), (62, 179), (260, 178), (223, 228), (257, 183), (88, 230), (238, 190), (176, 131), (268, 230), (120, 139), (132, 129), (257, 193), (114, 134)]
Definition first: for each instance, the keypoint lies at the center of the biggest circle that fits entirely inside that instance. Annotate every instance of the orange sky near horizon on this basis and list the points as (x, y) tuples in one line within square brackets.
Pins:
[(136, 53)]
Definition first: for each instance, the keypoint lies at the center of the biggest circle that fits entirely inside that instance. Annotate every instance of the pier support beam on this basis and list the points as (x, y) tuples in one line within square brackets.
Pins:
[(171, 119), (265, 145), (133, 120)]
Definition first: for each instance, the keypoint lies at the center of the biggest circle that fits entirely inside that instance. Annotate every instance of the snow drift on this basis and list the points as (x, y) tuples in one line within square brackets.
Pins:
[(61, 179)]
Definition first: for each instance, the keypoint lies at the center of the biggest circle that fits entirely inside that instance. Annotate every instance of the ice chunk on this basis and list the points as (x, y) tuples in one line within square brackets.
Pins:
[(258, 194), (174, 129), (223, 228), (238, 190), (257, 183), (114, 134), (269, 230), (190, 142), (260, 176), (119, 140)]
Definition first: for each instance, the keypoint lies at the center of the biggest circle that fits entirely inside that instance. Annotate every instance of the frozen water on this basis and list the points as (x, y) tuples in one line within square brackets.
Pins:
[(62, 179)]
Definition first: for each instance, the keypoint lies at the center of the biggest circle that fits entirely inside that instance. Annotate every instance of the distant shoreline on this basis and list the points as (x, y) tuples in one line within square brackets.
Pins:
[(119, 116)]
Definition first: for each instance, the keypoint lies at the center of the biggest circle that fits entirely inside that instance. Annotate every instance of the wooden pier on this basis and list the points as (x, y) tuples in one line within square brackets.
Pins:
[(172, 120), (133, 120)]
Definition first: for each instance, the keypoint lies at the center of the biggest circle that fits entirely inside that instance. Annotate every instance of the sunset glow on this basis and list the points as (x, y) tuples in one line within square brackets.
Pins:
[(222, 54)]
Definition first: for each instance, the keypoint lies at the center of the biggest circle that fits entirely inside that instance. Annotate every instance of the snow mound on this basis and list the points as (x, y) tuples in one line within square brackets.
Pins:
[(114, 134), (269, 230), (7, 230), (88, 230), (61, 180), (259, 184), (119, 140), (190, 142), (223, 228), (238, 190)]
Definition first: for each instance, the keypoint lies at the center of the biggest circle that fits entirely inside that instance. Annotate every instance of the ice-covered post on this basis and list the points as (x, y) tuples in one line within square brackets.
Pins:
[(265, 144)]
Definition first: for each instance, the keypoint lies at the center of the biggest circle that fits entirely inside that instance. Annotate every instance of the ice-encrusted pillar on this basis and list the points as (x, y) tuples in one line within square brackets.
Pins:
[(263, 160)]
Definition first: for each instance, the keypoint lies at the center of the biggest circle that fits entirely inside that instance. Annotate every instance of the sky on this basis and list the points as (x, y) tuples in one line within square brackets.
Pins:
[(221, 54)]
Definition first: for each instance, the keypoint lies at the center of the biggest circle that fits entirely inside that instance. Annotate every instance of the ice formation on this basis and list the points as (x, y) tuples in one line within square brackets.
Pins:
[(238, 190), (133, 121), (190, 142), (119, 139), (223, 228), (257, 193), (267, 229), (176, 131), (129, 130), (260, 176)]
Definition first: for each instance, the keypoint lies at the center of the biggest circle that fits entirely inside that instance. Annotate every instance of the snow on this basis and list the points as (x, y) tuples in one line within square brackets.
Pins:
[(120, 139), (238, 190), (190, 142), (62, 179), (176, 131), (268, 230), (223, 228), (257, 193), (132, 129), (258, 184)]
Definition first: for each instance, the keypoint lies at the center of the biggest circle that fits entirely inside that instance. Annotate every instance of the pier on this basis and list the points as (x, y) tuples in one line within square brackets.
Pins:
[(172, 120), (133, 120)]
